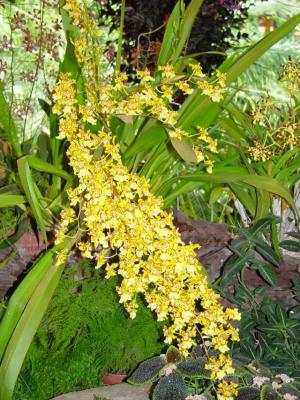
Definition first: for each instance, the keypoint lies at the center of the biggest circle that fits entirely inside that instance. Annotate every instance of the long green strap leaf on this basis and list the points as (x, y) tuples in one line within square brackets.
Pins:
[(29, 189), (7, 123), (43, 166), (21, 296), (202, 110), (171, 33), (187, 23), (11, 200), (25, 330), (260, 182), (258, 49)]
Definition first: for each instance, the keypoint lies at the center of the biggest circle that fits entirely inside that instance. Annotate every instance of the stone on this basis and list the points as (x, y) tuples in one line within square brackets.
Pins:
[(26, 250), (213, 238), (123, 391)]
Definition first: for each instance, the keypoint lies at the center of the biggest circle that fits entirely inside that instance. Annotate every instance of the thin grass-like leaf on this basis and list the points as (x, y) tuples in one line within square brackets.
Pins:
[(7, 123)]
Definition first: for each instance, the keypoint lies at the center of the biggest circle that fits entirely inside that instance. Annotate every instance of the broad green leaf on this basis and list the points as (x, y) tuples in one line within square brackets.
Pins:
[(170, 387), (258, 49), (260, 225), (244, 196), (232, 129), (147, 139), (25, 330), (11, 200), (7, 123), (184, 149), (282, 161), (260, 182), (22, 294), (281, 314), (215, 194), (268, 273), (232, 267), (147, 371), (290, 245), (40, 165), (193, 368), (267, 253)]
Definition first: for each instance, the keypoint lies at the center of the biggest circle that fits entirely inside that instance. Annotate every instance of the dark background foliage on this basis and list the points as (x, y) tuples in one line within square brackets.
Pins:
[(145, 21)]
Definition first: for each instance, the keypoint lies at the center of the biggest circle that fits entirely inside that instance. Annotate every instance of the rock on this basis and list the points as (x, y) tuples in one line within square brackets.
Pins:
[(123, 391), (213, 238), (27, 248)]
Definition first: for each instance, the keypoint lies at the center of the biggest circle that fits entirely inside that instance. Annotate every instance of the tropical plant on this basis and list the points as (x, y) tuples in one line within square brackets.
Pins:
[(252, 250), (186, 378), (176, 376), (269, 333), (147, 150), (268, 329)]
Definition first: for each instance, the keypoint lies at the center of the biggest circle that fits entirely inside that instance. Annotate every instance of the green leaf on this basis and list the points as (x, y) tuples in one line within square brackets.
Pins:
[(215, 194), (290, 245), (281, 314), (232, 267), (258, 49), (267, 272), (29, 189), (25, 330), (184, 149), (267, 252), (7, 123), (147, 371), (147, 139), (193, 368), (22, 294), (12, 239), (11, 200), (173, 355), (260, 225), (171, 35), (282, 161), (43, 166), (186, 25), (170, 387), (232, 129), (259, 182), (201, 110)]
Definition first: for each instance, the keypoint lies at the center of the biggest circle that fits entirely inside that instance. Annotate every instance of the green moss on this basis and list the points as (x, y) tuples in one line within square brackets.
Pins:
[(85, 334)]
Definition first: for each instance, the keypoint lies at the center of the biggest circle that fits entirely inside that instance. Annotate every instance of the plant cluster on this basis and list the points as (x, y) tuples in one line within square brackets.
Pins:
[(268, 329), (118, 155)]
